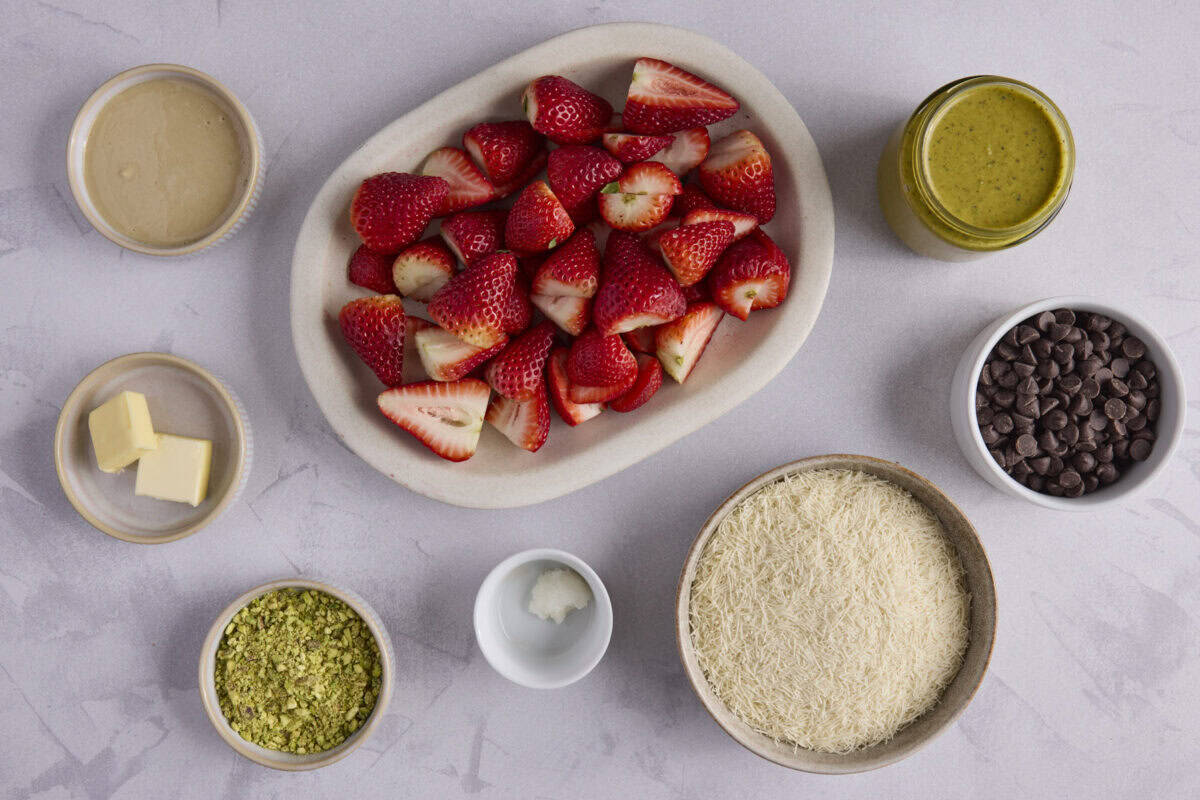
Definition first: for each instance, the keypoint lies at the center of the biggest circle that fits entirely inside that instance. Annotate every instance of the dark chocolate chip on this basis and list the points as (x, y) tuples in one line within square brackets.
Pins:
[(1008, 380), (1074, 491), (1063, 353), (1133, 347), (1049, 369), (1137, 423), (1097, 322), (1042, 347), (1146, 368), (1103, 375), (1090, 483), (1137, 381), (1056, 420), (1056, 466), (1006, 352), (1024, 334), (984, 415), (1070, 383), (1097, 421), (1088, 367), (1027, 386), (1054, 490), (1114, 408), (1044, 320), (1026, 445), (1058, 331), (1064, 316), (1003, 423), (1090, 388), (1153, 408), (1049, 404), (1005, 398), (1116, 387), (1022, 423), (1069, 433), (1081, 405), (1120, 367), (1069, 479), (1104, 454), (1107, 473), (1020, 470), (1100, 340), (1010, 338), (1140, 449), (1022, 369), (1084, 462)]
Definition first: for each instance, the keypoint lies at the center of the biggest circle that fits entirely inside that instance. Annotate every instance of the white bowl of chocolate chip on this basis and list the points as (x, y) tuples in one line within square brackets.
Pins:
[(1069, 402)]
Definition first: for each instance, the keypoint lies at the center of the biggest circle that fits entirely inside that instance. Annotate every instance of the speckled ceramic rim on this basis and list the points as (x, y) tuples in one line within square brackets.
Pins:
[(955, 697), (244, 446), (77, 143), (275, 759)]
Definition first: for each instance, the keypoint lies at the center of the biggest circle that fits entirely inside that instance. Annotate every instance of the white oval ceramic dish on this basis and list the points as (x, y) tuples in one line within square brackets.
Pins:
[(740, 360), (533, 652), (1169, 430)]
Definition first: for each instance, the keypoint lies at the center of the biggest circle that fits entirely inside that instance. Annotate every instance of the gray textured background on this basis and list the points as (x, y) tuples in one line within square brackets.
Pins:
[(1093, 688)]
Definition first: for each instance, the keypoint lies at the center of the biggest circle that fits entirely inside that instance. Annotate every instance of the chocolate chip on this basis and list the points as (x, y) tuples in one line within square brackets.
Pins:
[(984, 415), (1074, 491), (1024, 334), (1069, 433), (1114, 408), (1137, 381), (1003, 423), (1063, 353), (1133, 347), (1137, 423), (1090, 388), (1100, 340), (1027, 386), (1104, 454), (1081, 406), (1116, 329), (1026, 445), (1117, 428), (1139, 450), (1048, 441), (1006, 351), (1084, 462), (1049, 369), (1097, 421), (1090, 483), (1008, 380), (1120, 449), (1035, 482), (1064, 316), (1040, 464), (1120, 367), (1116, 387), (1041, 348), (1005, 398), (1010, 338), (1054, 490), (1020, 470), (1146, 368), (1022, 423), (1069, 479), (1103, 375), (1048, 404), (1070, 383), (1058, 331), (1027, 355), (1107, 473), (1089, 366), (1097, 322), (1153, 408), (1022, 369), (1044, 320), (1056, 420)]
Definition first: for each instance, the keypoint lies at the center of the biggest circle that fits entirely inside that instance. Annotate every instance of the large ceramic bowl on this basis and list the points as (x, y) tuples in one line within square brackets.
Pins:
[(954, 698), (741, 359)]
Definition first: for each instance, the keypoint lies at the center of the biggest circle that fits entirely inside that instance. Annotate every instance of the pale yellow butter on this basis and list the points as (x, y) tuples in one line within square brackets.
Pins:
[(121, 431), (175, 470)]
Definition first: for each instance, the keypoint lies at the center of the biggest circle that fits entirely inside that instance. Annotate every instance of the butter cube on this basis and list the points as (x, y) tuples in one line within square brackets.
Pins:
[(121, 431), (175, 470)]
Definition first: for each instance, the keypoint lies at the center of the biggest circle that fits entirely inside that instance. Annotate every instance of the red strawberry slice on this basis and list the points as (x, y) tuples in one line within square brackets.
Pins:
[(697, 292), (527, 175), (537, 220), (525, 423), (641, 340), (635, 289), (391, 210), (474, 304), (664, 98), (630, 147), (518, 311), (690, 251), (371, 270), (413, 369), (374, 328), (559, 385), (517, 372), (641, 198), (577, 174), (752, 274), (572, 314), (445, 417), (738, 175), (468, 186), (564, 111), (571, 270), (649, 379), (693, 198), (600, 368), (422, 268), (655, 234), (682, 342), (686, 152), (445, 357), (503, 150), (471, 235), (742, 223)]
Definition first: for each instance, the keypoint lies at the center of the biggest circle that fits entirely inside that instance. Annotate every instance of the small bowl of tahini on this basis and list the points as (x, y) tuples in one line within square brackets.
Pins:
[(836, 614)]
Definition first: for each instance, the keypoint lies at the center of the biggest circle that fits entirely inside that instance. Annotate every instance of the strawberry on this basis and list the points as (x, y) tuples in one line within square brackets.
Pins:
[(655, 234), (445, 357), (518, 311), (664, 98), (537, 220), (752, 274), (600, 368), (693, 198), (390, 210), (502, 149), (630, 147), (641, 198), (412, 358), (738, 175), (527, 175), (564, 111), (572, 270), (474, 303), (742, 223), (422, 268), (471, 235), (689, 251), (559, 385), (641, 340), (446, 417), (576, 174), (468, 186), (374, 328), (517, 372), (371, 270), (635, 289), (648, 381), (686, 152), (682, 342), (570, 313), (697, 292), (525, 423)]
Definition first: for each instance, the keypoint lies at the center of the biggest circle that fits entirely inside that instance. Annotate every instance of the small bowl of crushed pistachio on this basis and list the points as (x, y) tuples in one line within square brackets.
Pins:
[(295, 674)]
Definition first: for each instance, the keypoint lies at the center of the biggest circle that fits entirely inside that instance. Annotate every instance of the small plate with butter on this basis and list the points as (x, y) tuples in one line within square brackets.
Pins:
[(151, 447)]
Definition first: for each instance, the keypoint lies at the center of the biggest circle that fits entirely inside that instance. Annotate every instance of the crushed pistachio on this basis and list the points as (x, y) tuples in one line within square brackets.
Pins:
[(297, 671)]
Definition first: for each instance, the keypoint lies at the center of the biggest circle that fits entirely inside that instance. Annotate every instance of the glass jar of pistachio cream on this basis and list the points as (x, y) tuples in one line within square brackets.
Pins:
[(984, 163)]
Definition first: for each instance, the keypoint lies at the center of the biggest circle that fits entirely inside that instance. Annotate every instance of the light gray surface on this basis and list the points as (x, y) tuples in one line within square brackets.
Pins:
[(1093, 687)]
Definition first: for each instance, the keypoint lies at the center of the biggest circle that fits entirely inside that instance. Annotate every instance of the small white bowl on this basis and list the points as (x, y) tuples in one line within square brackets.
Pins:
[(1168, 429), (533, 652)]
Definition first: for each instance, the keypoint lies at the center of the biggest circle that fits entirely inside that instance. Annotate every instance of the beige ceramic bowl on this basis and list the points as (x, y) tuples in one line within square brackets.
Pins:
[(184, 399), (274, 758), (956, 696), (254, 172)]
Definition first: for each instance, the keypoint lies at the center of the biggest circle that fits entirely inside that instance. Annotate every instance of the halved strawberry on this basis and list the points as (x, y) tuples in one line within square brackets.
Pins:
[(445, 357), (641, 198), (690, 251), (537, 220), (516, 372), (742, 223), (518, 310), (468, 186), (503, 150), (752, 274), (738, 175), (564, 111), (471, 235), (600, 368), (414, 370), (696, 292), (630, 147), (473, 305), (374, 328), (573, 269), (649, 379), (559, 385), (635, 288), (572, 314), (391, 210), (445, 417), (371, 270), (686, 153), (653, 236), (422, 268), (525, 423), (682, 342), (693, 197), (576, 174), (642, 340), (527, 175), (664, 98)]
